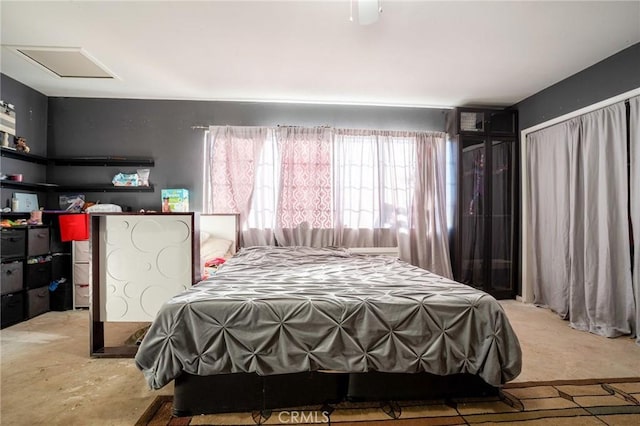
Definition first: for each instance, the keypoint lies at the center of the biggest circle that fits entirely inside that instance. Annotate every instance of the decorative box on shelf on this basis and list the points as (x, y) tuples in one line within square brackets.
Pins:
[(7, 118), (175, 200)]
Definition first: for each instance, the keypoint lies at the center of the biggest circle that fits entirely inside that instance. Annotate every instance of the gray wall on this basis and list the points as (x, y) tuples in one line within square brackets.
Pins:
[(31, 123), (615, 75), (161, 129)]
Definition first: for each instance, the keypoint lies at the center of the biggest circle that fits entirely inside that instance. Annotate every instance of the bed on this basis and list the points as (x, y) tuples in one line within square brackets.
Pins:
[(332, 323)]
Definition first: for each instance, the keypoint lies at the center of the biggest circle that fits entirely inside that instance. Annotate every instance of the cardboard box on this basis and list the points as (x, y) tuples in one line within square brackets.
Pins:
[(175, 200)]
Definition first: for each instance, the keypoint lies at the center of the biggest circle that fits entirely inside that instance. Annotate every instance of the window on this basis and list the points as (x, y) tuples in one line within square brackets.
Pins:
[(323, 186)]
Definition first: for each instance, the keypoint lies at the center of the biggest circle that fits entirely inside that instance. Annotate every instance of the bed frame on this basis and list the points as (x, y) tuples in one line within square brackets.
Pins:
[(194, 395)]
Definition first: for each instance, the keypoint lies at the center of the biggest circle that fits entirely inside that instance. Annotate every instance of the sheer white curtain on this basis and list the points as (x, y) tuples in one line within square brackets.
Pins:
[(634, 107), (390, 190), (578, 195), (375, 177), (428, 223)]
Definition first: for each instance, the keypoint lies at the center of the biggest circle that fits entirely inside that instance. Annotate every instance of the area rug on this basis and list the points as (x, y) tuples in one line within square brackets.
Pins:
[(576, 402)]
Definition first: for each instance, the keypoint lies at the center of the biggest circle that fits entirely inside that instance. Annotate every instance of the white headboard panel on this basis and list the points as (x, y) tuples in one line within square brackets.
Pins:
[(224, 226)]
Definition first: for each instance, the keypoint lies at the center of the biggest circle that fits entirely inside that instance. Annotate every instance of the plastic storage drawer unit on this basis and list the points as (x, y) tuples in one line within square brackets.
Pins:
[(82, 296), (38, 241), (81, 272), (12, 309), (11, 280), (37, 301), (13, 243), (81, 251)]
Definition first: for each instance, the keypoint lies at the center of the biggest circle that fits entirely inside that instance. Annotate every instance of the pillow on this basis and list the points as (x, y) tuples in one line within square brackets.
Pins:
[(214, 247)]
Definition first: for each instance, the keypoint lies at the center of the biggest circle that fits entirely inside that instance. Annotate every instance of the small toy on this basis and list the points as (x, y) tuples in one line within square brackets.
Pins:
[(214, 262), (36, 218), (8, 223), (21, 144)]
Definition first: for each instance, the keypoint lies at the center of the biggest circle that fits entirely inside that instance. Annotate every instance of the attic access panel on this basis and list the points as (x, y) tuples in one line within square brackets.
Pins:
[(65, 62)]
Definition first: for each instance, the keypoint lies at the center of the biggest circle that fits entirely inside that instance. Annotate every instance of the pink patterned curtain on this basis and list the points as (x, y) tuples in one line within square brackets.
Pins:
[(304, 212), (232, 156)]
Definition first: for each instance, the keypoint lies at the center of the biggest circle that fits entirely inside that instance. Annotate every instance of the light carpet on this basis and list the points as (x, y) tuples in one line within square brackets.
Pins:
[(569, 402)]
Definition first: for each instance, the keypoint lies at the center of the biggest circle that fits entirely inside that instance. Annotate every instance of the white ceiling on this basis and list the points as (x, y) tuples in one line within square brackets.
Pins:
[(420, 53)]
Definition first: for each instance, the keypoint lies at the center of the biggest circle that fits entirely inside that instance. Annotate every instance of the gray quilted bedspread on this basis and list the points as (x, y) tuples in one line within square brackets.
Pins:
[(276, 310)]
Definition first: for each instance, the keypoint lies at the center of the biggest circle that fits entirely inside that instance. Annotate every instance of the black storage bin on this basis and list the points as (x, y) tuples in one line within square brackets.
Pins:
[(37, 301), (38, 274), (56, 245), (12, 278), (38, 241), (12, 309), (14, 243), (61, 299), (61, 266)]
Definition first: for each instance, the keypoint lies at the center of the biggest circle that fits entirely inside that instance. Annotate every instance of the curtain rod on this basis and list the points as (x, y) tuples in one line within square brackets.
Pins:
[(279, 125), (321, 126), (623, 97)]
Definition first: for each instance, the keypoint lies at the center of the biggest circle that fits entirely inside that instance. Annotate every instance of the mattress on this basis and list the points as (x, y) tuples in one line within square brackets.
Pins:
[(280, 310)]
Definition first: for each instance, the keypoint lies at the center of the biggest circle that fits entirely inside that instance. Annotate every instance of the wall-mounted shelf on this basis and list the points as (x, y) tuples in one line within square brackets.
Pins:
[(91, 187), (20, 155), (106, 161), (103, 161), (25, 185), (15, 214), (98, 187)]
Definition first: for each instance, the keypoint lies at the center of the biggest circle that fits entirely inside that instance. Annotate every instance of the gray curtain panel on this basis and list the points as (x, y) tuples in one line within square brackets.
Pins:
[(601, 295), (634, 104), (550, 154), (579, 221)]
